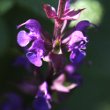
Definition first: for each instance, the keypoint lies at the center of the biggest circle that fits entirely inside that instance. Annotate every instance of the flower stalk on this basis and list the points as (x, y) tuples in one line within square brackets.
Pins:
[(58, 21)]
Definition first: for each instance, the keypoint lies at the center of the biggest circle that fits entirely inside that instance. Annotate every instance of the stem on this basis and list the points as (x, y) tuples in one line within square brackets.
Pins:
[(61, 7), (59, 22)]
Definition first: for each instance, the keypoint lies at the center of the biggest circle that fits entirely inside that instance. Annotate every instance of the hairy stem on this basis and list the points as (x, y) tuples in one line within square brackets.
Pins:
[(61, 7)]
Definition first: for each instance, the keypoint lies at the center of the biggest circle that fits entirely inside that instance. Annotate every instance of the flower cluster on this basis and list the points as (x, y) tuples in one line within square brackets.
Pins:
[(39, 49)]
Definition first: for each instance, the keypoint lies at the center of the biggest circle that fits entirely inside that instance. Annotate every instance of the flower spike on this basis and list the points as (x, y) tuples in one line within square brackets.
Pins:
[(62, 53)]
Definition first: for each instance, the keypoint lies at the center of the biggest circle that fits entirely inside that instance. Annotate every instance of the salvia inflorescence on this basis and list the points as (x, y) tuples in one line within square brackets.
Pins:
[(63, 51)]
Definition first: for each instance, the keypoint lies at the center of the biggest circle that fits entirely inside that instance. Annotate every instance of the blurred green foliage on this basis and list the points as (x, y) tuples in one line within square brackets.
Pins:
[(5, 5), (94, 94), (93, 11)]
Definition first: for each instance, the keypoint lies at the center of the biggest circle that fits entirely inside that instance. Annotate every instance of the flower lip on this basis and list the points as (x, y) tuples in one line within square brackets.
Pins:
[(77, 56), (30, 23), (23, 38), (36, 52), (76, 39), (83, 25), (34, 59)]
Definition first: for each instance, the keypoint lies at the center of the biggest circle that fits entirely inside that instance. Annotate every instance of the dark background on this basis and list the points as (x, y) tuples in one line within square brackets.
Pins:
[(94, 94)]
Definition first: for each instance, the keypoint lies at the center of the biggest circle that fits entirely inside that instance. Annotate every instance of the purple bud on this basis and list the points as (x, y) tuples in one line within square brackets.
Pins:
[(50, 11), (67, 5), (44, 88), (70, 69), (58, 84)]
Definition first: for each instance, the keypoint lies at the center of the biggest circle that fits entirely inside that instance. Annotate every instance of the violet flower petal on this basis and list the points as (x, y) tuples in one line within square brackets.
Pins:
[(38, 44), (77, 56), (77, 45), (50, 11), (75, 37), (83, 25), (36, 52), (34, 59), (23, 38), (40, 103), (33, 26)]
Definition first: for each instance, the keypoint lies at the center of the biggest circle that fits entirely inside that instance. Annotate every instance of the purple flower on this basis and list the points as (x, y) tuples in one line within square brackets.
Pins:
[(34, 28), (36, 52), (42, 98), (76, 42), (40, 102)]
